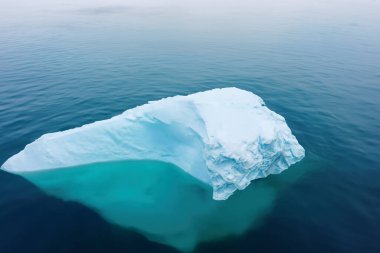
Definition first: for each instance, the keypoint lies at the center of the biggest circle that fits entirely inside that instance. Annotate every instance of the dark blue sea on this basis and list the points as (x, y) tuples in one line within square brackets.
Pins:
[(317, 63)]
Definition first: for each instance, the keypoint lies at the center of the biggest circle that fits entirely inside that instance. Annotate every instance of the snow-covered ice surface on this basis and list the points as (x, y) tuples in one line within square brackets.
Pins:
[(223, 137)]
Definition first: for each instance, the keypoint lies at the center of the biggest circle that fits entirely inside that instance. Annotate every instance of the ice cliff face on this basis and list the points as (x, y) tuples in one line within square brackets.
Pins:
[(224, 137)]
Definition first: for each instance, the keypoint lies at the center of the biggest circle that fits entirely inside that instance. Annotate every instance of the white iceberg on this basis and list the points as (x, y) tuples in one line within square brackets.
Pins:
[(224, 137), (134, 169)]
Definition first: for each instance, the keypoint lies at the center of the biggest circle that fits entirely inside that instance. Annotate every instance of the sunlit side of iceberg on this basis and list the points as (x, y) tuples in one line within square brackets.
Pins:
[(223, 137)]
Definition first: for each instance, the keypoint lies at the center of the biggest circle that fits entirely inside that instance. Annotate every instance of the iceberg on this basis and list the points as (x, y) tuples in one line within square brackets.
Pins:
[(154, 168), (223, 137)]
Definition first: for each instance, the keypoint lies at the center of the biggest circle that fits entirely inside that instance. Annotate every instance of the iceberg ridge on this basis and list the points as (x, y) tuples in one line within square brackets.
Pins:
[(223, 137)]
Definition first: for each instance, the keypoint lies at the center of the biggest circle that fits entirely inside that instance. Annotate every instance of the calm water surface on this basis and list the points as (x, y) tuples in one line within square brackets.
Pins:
[(317, 63)]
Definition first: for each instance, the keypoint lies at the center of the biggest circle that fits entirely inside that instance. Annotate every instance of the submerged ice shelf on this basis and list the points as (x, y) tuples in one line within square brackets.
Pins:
[(224, 137)]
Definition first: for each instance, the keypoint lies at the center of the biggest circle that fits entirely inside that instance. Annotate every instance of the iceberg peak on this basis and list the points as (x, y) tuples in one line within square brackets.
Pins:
[(224, 137)]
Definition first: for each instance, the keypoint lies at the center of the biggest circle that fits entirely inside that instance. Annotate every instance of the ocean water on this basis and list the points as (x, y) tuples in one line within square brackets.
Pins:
[(317, 63)]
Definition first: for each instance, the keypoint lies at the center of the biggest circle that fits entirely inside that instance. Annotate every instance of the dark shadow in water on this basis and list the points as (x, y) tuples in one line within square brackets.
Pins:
[(31, 221)]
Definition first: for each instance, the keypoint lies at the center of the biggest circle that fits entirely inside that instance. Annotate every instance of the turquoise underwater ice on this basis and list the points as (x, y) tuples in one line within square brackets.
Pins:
[(161, 201)]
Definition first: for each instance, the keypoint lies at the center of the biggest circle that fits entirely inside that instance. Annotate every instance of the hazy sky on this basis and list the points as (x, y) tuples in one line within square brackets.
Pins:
[(204, 6), (197, 13)]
